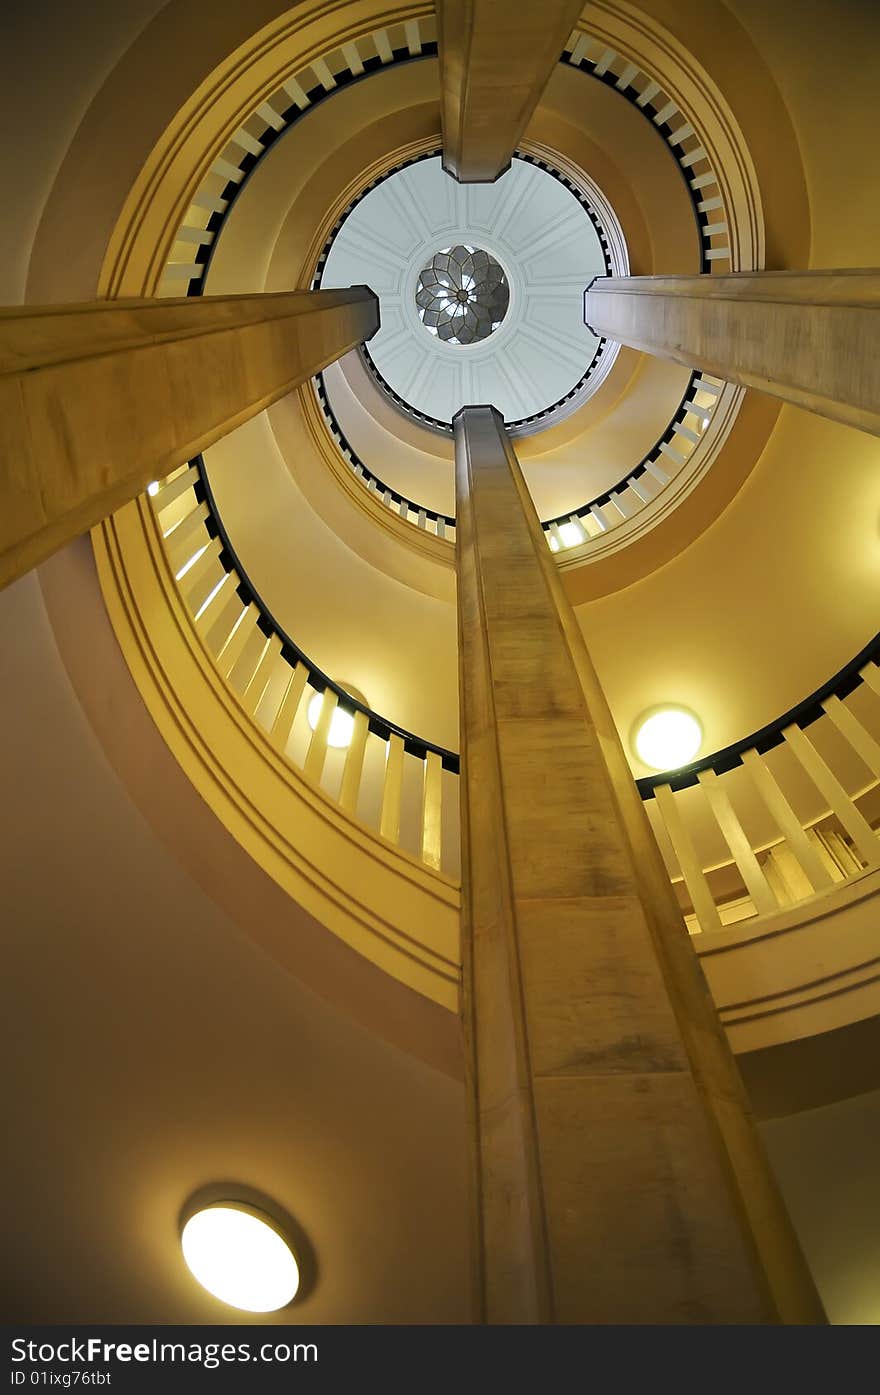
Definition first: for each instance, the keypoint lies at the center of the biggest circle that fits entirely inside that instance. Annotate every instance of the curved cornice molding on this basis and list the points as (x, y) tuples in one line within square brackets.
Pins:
[(641, 40), (382, 902), (377, 533), (818, 964), (203, 847), (210, 119)]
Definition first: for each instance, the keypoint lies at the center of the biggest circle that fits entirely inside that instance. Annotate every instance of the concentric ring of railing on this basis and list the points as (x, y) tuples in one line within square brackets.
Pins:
[(440, 524), (641, 485), (770, 821), (416, 40), (598, 516), (400, 785), (593, 57), (769, 774)]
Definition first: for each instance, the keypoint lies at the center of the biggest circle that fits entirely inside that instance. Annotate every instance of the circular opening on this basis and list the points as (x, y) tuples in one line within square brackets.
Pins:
[(462, 295), (667, 737), (240, 1256)]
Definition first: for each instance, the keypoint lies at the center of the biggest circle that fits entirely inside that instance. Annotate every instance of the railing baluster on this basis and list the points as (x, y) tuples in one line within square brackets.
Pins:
[(841, 858), (732, 831), (220, 626), (184, 540), (698, 888), (389, 826), (237, 642), (288, 707), (839, 801), (250, 656), (173, 489), (787, 821), (252, 694), (871, 675), (313, 765), (202, 576), (432, 810), (354, 764), (851, 729)]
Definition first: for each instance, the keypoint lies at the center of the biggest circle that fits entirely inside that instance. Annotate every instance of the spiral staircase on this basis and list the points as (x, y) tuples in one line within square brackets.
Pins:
[(236, 950)]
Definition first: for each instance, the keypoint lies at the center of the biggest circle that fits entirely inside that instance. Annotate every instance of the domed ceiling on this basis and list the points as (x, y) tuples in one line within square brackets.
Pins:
[(480, 288)]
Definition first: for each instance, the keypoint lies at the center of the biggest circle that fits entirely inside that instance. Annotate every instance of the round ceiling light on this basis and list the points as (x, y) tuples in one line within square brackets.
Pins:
[(341, 723), (239, 1255), (667, 737)]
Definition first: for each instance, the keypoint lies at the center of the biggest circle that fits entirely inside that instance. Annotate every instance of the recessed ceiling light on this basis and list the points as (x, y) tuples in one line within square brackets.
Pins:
[(239, 1255), (153, 487), (667, 737), (341, 723)]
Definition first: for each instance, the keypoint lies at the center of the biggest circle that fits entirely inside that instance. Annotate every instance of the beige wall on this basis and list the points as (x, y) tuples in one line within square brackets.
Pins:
[(824, 58), (52, 72), (153, 1048), (827, 1161)]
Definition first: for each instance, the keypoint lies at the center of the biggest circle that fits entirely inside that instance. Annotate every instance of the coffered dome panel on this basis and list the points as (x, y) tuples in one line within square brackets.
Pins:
[(542, 238)]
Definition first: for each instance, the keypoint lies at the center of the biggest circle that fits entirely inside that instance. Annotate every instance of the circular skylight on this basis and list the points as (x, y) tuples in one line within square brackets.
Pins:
[(462, 295)]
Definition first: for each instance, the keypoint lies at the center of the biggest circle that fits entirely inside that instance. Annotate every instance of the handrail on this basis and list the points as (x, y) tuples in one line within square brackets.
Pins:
[(802, 715), (290, 650), (607, 495), (389, 495), (591, 57), (393, 499), (191, 255), (446, 427), (793, 859)]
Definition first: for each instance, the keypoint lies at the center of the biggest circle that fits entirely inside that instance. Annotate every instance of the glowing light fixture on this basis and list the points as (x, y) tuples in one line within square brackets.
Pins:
[(239, 1255), (341, 723), (571, 534), (153, 487), (667, 737)]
